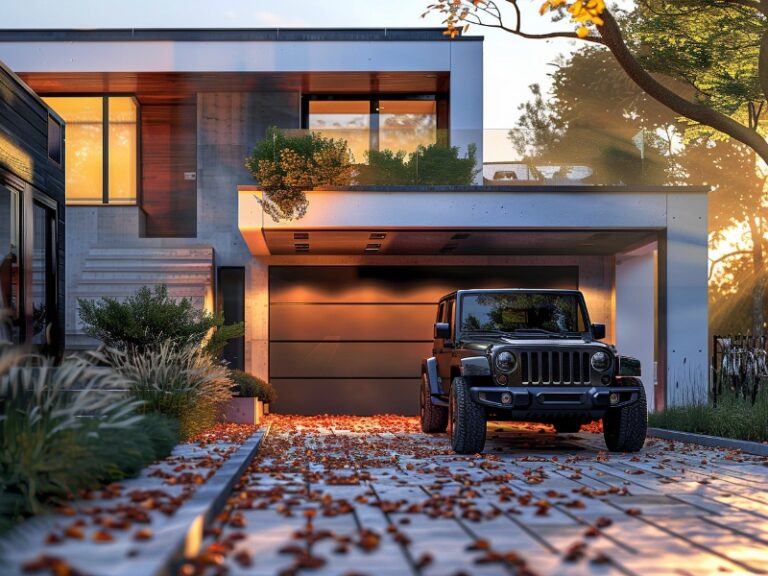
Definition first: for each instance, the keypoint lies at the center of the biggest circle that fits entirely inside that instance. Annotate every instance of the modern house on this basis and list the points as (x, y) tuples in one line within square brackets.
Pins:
[(31, 218), (339, 306)]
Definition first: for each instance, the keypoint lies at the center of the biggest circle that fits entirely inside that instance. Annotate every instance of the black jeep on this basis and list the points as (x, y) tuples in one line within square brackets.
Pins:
[(529, 355)]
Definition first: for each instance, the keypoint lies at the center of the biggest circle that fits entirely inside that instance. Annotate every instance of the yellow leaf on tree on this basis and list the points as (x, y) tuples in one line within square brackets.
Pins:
[(582, 32)]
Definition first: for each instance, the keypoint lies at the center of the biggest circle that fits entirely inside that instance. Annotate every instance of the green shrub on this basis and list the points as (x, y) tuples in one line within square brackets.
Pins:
[(434, 165), (285, 166), (179, 381), (151, 317), (250, 386), (66, 428)]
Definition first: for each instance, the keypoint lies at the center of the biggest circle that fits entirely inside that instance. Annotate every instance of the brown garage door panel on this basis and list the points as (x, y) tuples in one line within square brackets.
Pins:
[(400, 284), (362, 397), (351, 322), (347, 359)]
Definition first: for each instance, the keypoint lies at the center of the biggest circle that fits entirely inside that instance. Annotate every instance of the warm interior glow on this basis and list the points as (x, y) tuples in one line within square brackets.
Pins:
[(122, 150), (84, 148), (407, 124), (346, 119)]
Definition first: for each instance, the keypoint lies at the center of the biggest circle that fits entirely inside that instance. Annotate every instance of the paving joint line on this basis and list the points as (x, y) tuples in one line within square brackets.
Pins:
[(182, 537)]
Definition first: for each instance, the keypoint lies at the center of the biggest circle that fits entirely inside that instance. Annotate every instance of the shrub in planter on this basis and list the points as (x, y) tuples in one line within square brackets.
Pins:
[(180, 381), (286, 165), (434, 165), (249, 385), (57, 425), (150, 317)]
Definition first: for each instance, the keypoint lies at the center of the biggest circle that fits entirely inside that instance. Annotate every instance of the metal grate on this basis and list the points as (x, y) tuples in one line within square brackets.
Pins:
[(555, 367)]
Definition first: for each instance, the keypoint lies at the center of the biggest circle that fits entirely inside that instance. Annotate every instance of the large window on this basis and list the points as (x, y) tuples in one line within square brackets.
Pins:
[(102, 148), (374, 123)]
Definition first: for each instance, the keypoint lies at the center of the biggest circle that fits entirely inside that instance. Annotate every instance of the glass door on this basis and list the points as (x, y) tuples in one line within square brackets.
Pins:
[(10, 293), (44, 309)]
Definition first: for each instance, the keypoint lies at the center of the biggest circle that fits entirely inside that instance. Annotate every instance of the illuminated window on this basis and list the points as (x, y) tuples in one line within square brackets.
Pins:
[(100, 131), (374, 123)]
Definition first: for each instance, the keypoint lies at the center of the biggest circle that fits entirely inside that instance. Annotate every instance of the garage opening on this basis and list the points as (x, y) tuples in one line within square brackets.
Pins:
[(350, 339)]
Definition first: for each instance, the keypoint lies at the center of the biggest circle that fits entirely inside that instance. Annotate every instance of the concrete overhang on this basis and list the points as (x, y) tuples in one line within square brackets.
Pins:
[(530, 220)]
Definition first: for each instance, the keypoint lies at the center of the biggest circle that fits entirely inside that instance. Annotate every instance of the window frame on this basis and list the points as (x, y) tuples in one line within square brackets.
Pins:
[(442, 109), (105, 96)]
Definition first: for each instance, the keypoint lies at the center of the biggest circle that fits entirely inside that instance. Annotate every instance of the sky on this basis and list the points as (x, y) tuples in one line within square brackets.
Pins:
[(511, 64)]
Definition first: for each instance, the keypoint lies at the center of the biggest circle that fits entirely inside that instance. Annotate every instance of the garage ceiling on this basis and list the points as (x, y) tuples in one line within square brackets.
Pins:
[(460, 242)]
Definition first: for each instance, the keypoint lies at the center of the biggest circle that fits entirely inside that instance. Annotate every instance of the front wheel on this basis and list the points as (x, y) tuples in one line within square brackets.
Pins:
[(433, 418), (625, 428), (467, 420)]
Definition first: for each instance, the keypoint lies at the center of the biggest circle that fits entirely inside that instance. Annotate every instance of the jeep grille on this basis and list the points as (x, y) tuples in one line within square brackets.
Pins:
[(555, 367)]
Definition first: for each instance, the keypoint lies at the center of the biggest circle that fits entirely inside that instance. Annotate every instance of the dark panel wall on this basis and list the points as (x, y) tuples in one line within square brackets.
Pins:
[(25, 166), (347, 339), (168, 150)]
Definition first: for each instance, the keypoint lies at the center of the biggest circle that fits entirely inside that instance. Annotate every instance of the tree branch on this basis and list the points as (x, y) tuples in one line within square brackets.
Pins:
[(613, 39)]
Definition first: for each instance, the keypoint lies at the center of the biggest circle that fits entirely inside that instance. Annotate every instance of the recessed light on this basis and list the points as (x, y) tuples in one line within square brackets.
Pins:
[(449, 248), (301, 247), (377, 236), (301, 235), (460, 236)]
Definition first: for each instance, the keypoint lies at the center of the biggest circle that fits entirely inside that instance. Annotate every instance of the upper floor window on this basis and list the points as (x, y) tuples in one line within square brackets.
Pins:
[(100, 159), (374, 123)]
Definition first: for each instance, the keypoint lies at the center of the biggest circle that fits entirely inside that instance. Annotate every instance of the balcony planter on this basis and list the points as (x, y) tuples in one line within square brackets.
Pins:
[(244, 410)]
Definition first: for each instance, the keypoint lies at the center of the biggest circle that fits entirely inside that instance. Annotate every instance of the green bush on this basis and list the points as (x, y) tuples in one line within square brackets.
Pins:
[(151, 317), (179, 381), (285, 166), (731, 417), (67, 428), (250, 386), (433, 165)]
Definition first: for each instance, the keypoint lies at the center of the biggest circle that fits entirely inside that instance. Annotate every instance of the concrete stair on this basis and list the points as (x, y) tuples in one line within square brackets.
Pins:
[(118, 272)]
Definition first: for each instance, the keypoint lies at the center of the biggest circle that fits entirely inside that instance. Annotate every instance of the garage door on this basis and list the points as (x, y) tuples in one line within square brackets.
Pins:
[(350, 339)]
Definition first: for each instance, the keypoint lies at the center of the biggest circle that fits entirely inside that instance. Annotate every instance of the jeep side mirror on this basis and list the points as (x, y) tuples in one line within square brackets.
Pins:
[(598, 331), (442, 330)]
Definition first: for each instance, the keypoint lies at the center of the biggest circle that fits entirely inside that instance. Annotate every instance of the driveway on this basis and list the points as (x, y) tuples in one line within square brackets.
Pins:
[(352, 495)]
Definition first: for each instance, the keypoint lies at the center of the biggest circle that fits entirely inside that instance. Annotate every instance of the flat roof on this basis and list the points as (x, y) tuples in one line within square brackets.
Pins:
[(230, 35)]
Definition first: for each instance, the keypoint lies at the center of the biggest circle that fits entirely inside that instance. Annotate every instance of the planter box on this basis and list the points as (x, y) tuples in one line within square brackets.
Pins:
[(244, 410), (266, 408)]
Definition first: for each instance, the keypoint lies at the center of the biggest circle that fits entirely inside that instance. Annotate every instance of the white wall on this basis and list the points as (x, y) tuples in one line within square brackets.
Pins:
[(635, 289)]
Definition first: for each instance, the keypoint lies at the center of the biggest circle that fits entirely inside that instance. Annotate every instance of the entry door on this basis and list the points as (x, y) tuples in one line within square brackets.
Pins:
[(350, 339), (44, 308)]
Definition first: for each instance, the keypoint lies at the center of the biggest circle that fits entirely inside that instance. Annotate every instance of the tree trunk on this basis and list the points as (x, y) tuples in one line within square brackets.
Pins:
[(758, 267)]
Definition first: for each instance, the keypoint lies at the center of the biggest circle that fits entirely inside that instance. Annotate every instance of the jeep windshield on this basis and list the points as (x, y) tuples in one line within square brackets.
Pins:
[(524, 314)]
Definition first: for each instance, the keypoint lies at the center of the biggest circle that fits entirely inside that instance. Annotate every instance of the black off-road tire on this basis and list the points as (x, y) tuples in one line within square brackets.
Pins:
[(625, 428), (567, 427), (467, 423), (433, 418)]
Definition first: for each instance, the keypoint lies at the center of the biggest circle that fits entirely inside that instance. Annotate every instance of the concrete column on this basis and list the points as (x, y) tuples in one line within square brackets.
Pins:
[(683, 305), (466, 117), (636, 312), (257, 318)]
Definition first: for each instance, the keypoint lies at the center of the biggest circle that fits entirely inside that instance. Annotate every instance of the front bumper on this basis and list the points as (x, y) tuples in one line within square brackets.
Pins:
[(546, 402)]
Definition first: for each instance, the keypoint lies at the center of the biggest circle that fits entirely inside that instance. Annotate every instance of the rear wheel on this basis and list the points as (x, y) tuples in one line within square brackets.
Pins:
[(467, 420), (567, 427), (433, 418), (625, 428)]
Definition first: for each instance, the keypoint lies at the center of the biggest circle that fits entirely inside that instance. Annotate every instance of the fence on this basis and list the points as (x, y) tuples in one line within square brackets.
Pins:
[(739, 363)]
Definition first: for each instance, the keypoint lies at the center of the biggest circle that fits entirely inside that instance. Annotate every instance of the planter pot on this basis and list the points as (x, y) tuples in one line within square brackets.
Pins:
[(266, 408), (240, 410)]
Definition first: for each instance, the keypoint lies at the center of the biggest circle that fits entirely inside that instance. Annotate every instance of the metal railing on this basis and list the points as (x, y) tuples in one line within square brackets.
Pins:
[(739, 364)]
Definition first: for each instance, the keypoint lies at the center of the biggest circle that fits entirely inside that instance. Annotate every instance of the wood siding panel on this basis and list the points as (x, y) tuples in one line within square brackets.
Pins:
[(168, 150)]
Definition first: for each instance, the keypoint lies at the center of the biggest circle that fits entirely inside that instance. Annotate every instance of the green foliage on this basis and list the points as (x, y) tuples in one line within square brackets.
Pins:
[(150, 317), (67, 428), (250, 386), (285, 166), (732, 417), (432, 165), (179, 381)]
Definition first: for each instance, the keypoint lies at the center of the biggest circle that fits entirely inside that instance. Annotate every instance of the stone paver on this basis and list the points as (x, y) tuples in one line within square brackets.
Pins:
[(345, 495)]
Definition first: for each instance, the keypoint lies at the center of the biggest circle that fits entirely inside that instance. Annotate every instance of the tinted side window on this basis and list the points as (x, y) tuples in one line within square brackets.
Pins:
[(440, 312), (449, 313)]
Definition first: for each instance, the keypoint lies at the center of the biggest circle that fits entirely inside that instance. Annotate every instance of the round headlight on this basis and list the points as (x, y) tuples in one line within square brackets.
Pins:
[(506, 362), (600, 361)]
